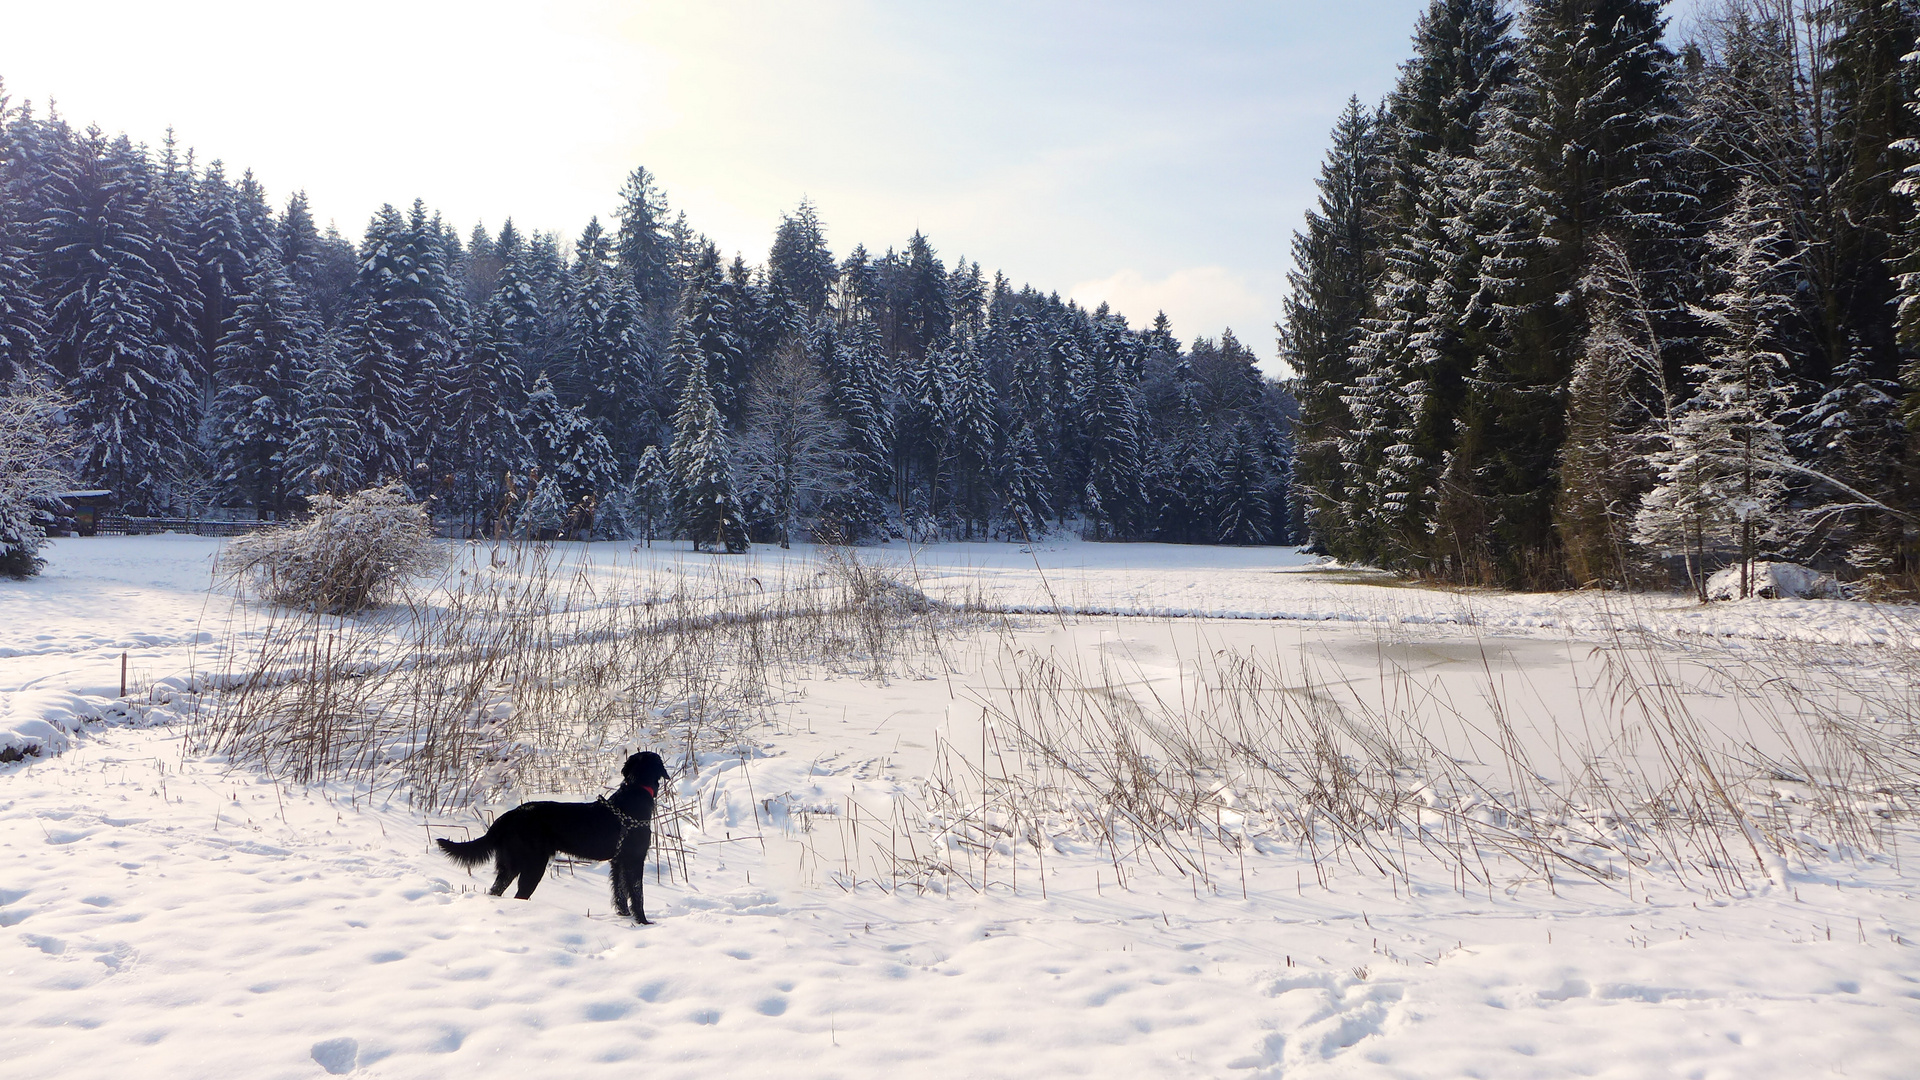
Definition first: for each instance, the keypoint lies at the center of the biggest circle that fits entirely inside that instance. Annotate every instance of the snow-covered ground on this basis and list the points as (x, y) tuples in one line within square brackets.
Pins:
[(166, 913)]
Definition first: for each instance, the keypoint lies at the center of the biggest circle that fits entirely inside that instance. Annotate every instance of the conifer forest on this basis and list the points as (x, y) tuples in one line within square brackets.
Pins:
[(1585, 300), (221, 352), (1588, 301)]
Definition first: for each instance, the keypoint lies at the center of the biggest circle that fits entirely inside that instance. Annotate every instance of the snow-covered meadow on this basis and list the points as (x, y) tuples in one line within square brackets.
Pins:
[(924, 857)]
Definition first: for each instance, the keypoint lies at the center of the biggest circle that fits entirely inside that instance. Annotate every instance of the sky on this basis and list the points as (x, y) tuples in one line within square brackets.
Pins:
[(1153, 155)]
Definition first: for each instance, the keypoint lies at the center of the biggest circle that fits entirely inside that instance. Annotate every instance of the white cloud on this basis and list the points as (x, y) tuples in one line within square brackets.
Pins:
[(1201, 301)]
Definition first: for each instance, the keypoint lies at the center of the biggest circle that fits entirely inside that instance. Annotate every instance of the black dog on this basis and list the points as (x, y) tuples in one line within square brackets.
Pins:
[(616, 828)]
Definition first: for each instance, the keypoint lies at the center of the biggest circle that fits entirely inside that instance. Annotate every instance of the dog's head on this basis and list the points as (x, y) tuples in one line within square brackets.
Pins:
[(644, 768)]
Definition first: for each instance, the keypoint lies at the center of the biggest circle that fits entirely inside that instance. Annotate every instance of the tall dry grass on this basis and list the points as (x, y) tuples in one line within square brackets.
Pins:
[(513, 673), (1803, 757)]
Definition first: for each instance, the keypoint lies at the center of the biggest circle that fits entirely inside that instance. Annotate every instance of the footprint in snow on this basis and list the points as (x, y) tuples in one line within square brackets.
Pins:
[(337, 1056)]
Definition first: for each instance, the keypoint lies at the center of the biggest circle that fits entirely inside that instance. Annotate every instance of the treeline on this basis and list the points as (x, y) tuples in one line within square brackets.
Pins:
[(1574, 304), (218, 352)]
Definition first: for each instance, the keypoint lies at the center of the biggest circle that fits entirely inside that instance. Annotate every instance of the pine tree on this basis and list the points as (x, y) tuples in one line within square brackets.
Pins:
[(924, 314), (1853, 433), (545, 514), (792, 450), (1413, 358), (401, 333), (322, 267), (223, 261), (970, 418), (851, 358), (1024, 485), (709, 331), (486, 441), (649, 497), (1241, 510)]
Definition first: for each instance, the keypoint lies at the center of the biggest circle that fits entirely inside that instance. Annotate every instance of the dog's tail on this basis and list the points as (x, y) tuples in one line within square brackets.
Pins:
[(467, 852)]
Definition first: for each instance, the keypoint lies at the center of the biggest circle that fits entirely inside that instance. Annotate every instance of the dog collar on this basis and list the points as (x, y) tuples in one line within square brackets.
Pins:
[(648, 788)]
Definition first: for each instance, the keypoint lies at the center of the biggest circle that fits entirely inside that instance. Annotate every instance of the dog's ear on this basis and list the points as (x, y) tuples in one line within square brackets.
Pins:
[(635, 768), (651, 765)]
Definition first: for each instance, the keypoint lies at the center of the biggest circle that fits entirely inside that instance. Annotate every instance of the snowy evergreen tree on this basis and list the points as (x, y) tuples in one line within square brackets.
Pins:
[(119, 334), (799, 263), (709, 334), (649, 253), (970, 418), (487, 443), (1722, 475), (1241, 512), (609, 349), (852, 361), (21, 321), (36, 447), (1112, 425), (545, 514), (328, 454), (1579, 145), (260, 365), (1334, 260), (1853, 433), (1024, 485), (647, 499), (570, 450), (705, 503)]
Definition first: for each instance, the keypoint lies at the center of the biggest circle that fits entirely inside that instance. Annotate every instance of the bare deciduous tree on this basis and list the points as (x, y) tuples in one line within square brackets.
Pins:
[(793, 451)]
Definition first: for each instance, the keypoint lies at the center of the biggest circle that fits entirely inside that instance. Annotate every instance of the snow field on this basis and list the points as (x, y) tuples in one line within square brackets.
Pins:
[(174, 912)]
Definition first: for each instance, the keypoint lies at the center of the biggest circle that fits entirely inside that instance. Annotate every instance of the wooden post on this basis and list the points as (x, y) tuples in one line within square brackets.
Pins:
[(123, 674)]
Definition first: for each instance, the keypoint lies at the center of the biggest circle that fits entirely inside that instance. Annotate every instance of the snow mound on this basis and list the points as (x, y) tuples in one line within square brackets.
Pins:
[(1775, 581), (36, 723)]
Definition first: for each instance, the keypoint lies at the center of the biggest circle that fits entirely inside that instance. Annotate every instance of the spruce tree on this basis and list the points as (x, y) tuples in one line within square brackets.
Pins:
[(609, 349), (649, 253), (328, 453), (1111, 421), (705, 503), (799, 263), (22, 322), (1721, 477), (1335, 259), (569, 450), (119, 333), (260, 364), (1579, 146)]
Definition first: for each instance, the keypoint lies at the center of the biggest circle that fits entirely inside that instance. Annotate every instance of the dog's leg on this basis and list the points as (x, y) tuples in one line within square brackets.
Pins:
[(504, 873), (530, 879), (637, 875), (617, 871)]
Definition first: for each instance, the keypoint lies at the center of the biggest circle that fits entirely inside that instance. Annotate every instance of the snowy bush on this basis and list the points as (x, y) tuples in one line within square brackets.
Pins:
[(1773, 581), (35, 450), (352, 553)]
